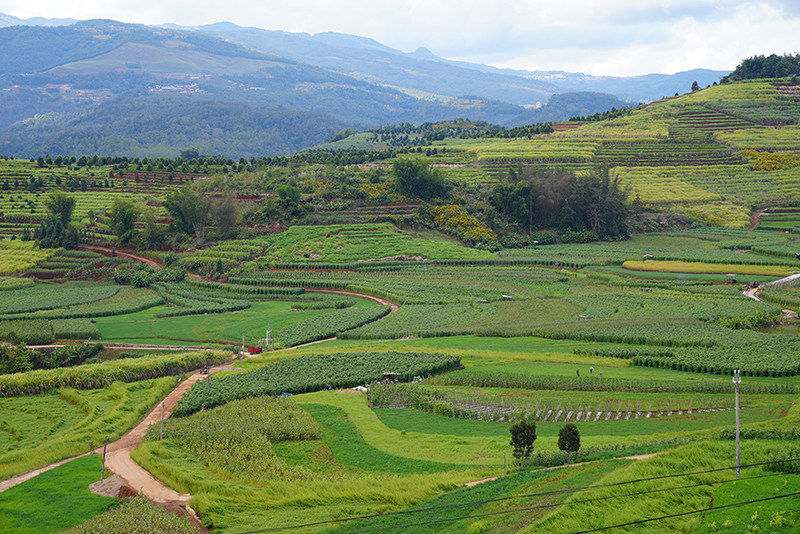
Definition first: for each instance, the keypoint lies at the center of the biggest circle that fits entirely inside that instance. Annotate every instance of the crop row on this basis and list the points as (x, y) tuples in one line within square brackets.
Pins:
[(126, 300), (54, 296), (100, 375), (416, 320), (312, 373), (9, 283), (329, 325), (193, 302), (28, 331), (237, 438), (502, 380), (222, 289)]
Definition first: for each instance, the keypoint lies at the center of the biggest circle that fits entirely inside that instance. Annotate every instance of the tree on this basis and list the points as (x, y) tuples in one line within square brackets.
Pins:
[(569, 439), (152, 235), (523, 434), (123, 215), (695, 86), (596, 202), (190, 211), (225, 212), (289, 198), (416, 179), (60, 205)]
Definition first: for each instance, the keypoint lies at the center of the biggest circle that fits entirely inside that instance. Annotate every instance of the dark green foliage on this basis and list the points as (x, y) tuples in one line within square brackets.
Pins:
[(190, 210), (20, 359), (313, 373), (523, 434), (772, 66), (52, 234), (122, 219), (417, 179), (141, 275), (597, 203), (289, 198), (60, 206), (569, 439)]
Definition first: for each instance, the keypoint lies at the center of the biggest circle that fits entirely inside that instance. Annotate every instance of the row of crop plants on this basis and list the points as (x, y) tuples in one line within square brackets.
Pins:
[(313, 373)]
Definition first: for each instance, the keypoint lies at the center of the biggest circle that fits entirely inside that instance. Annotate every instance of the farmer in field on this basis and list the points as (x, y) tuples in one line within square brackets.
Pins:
[(579, 373)]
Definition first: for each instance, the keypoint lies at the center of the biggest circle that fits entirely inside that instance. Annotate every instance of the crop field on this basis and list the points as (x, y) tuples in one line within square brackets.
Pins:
[(44, 428), (389, 415)]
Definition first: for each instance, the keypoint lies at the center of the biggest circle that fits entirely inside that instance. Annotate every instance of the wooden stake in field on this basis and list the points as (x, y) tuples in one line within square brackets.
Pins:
[(736, 381)]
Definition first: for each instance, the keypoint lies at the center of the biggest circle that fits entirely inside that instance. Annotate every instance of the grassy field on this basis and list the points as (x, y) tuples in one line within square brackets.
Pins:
[(639, 331), (55, 500)]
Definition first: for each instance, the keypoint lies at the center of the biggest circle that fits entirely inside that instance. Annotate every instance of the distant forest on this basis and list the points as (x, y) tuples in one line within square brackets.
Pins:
[(772, 66)]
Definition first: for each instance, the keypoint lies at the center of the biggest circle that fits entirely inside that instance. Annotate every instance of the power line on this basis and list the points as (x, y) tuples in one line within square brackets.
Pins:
[(556, 505), (681, 514), (530, 495)]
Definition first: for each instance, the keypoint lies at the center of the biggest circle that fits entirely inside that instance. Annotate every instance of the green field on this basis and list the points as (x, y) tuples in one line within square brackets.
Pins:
[(632, 340)]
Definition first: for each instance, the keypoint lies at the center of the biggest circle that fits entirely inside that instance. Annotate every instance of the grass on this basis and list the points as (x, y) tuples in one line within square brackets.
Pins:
[(37, 430), (779, 515), (466, 451), (55, 500), (493, 506), (343, 446), (644, 275), (227, 328), (607, 506)]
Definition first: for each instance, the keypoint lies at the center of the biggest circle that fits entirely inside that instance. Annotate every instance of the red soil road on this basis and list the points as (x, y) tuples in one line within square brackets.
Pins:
[(107, 252)]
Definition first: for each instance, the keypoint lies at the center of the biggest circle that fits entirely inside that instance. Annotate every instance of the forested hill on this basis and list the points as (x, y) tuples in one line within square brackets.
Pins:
[(111, 88), (152, 125)]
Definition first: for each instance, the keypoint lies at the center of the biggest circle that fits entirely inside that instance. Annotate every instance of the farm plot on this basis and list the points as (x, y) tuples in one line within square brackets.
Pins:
[(307, 373), (349, 243), (16, 256), (537, 151), (67, 264), (48, 297), (44, 428), (664, 154)]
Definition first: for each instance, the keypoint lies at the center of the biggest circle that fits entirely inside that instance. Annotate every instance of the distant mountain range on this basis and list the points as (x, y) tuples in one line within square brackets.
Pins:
[(74, 87)]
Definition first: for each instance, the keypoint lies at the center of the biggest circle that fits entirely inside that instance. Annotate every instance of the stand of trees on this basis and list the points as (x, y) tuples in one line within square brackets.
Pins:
[(594, 202), (772, 66)]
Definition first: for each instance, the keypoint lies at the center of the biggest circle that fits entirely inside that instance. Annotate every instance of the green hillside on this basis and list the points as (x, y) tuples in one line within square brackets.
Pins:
[(455, 271)]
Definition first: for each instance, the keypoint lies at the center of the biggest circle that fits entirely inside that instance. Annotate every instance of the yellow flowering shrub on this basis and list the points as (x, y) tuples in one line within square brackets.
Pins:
[(768, 161), (454, 219)]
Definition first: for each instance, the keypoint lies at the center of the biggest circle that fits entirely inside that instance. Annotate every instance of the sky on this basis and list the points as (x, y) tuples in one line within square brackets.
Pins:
[(598, 37)]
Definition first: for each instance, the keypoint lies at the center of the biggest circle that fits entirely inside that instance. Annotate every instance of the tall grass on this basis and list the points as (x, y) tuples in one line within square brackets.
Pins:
[(47, 429)]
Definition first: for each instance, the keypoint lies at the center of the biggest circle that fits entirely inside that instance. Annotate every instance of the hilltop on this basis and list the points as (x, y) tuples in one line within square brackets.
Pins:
[(63, 88)]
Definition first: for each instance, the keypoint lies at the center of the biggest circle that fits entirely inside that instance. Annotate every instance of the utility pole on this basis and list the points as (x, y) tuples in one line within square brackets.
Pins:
[(736, 381), (103, 465)]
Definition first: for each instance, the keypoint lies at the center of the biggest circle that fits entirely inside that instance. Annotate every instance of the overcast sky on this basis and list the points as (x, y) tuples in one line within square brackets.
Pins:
[(600, 37)]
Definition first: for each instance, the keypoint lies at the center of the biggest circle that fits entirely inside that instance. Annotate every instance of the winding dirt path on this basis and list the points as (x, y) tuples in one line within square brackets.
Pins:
[(107, 252), (118, 457)]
